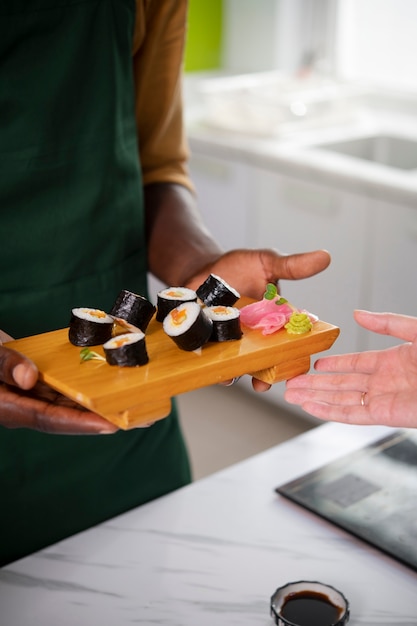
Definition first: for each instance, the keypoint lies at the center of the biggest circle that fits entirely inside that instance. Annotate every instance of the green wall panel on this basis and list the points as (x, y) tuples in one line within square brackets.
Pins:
[(204, 36)]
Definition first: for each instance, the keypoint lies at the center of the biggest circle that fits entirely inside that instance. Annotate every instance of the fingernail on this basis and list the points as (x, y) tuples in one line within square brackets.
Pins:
[(25, 375)]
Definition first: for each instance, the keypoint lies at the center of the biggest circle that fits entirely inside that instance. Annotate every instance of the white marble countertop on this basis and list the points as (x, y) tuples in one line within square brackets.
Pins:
[(212, 554)]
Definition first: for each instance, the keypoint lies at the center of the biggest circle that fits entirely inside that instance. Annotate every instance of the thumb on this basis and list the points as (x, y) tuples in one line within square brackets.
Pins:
[(301, 265)]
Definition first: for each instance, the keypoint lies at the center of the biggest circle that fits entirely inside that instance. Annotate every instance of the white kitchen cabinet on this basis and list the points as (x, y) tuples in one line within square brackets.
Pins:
[(224, 191), (394, 262), (298, 216), (373, 244)]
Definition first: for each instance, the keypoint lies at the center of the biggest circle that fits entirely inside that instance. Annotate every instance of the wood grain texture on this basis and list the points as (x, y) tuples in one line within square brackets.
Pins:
[(129, 397)]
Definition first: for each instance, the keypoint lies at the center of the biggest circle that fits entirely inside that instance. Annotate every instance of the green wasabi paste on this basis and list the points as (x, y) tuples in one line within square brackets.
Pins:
[(298, 324)]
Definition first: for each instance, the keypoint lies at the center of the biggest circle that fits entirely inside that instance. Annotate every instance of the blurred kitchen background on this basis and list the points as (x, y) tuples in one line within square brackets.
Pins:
[(302, 124)]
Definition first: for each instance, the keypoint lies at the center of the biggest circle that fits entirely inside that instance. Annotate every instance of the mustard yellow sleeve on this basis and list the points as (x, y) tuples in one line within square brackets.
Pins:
[(158, 65)]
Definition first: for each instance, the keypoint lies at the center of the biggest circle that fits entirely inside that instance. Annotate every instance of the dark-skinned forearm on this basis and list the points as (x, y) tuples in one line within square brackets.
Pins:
[(179, 244)]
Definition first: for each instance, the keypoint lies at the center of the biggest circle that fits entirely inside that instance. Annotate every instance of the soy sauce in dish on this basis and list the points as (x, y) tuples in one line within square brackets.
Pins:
[(310, 608)]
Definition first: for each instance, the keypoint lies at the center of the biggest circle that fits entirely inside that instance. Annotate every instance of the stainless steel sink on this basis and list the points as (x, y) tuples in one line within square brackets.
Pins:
[(397, 152)]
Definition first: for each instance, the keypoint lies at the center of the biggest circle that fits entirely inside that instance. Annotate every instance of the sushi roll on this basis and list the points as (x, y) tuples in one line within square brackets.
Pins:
[(136, 310), (188, 326), (170, 298), (215, 291), (128, 350), (226, 323), (89, 327)]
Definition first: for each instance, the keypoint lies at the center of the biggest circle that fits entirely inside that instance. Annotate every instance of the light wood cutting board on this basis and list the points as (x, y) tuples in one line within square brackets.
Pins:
[(129, 397)]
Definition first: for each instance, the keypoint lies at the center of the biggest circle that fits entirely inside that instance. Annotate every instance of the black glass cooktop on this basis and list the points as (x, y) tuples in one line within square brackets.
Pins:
[(372, 493)]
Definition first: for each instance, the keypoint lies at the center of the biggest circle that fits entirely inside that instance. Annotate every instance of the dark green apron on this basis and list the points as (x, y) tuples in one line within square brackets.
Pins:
[(71, 215)]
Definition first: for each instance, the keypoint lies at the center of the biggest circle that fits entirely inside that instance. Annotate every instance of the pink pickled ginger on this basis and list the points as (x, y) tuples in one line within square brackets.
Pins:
[(268, 316)]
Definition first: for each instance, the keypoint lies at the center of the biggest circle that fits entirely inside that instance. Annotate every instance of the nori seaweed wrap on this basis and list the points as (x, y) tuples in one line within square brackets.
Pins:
[(134, 309), (89, 327), (215, 291), (188, 326), (226, 323), (170, 298), (128, 350)]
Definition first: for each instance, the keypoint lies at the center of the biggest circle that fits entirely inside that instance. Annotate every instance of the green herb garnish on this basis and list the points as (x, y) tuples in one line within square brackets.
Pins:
[(272, 292), (88, 355), (282, 300)]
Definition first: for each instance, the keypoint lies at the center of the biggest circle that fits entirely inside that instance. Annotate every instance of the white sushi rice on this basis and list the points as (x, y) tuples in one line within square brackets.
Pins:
[(92, 315), (174, 329), (122, 340), (221, 313), (177, 293)]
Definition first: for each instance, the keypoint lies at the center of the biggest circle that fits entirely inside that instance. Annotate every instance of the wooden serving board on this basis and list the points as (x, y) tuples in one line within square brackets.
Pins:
[(129, 397)]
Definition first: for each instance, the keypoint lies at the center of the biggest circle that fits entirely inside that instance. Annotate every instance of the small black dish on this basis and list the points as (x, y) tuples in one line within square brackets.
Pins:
[(309, 603)]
